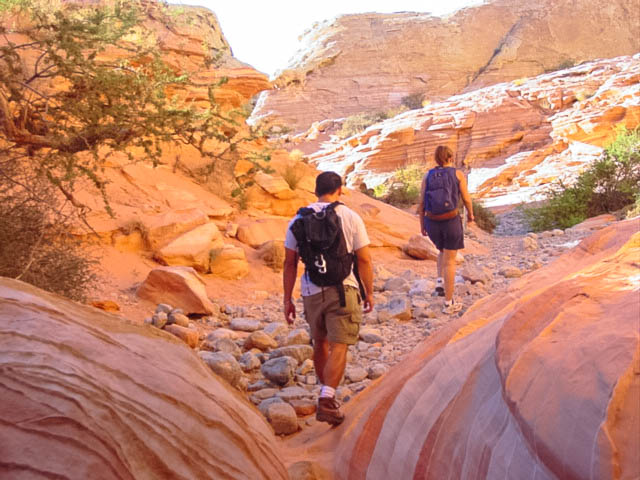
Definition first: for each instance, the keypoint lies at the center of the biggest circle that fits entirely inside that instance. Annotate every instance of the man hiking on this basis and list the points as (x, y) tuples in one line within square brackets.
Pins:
[(332, 242), (439, 207)]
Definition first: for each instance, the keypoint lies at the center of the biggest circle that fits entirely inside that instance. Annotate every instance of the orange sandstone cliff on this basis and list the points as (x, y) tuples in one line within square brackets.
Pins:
[(370, 62)]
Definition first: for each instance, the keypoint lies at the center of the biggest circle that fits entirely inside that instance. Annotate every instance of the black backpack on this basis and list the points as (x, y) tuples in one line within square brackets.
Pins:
[(323, 248)]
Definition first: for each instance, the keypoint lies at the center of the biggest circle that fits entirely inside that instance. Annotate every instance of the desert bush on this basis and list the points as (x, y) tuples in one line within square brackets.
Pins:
[(563, 65), (484, 218), (413, 101), (634, 211), (35, 244), (611, 183), (403, 188), (359, 122), (292, 176)]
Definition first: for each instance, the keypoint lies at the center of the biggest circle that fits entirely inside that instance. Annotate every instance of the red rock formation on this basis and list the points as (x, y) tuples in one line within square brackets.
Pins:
[(87, 395), (370, 62), (538, 381), (527, 133)]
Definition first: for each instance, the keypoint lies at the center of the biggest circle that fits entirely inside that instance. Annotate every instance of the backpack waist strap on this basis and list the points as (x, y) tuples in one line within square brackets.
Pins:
[(442, 216)]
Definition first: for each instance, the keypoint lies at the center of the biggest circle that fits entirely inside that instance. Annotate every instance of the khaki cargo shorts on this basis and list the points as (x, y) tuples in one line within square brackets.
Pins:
[(327, 318)]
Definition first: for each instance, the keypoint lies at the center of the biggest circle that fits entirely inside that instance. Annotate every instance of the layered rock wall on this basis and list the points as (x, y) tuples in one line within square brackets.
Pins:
[(538, 381), (87, 395), (513, 137), (370, 62)]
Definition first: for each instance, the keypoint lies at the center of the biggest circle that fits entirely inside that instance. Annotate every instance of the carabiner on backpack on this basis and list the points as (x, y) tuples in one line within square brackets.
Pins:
[(321, 264)]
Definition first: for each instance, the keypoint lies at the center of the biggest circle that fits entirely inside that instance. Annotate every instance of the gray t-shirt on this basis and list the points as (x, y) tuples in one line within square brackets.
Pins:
[(355, 235)]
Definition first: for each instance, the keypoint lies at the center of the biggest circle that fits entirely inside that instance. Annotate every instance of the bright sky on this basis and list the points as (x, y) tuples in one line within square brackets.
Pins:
[(265, 34)]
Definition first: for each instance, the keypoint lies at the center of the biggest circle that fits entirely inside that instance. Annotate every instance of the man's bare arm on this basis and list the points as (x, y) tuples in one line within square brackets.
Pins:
[(289, 276), (365, 270)]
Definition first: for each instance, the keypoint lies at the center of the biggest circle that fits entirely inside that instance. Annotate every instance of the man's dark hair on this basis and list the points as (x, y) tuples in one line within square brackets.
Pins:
[(327, 182)]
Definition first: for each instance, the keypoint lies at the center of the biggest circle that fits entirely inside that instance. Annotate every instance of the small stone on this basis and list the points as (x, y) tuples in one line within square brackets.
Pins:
[(159, 320), (226, 345), (299, 336), (244, 324), (178, 319), (190, 337), (299, 352), (279, 370), (265, 393), (511, 272), (557, 232), (221, 333), (529, 243), (224, 365), (260, 340), (282, 418), (164, 308), (275, 329), (264, 405), (249, 361), (376, 371), (311, 380), (260, 384), (397, 284), (304, 406), (400, 308), (355, 374), (305, 367), (293, 393), (370, 335)]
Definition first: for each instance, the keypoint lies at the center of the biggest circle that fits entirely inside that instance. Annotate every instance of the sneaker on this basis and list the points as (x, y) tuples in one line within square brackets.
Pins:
[(438, 292), (329, 411), (451, 308)]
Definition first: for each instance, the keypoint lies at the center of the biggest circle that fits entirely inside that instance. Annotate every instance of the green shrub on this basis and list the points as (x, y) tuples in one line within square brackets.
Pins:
[(413, 101), (611, 183), (359, 122), (484, 217), (403, 188), (563, 65), (292, 176), (634, 211)]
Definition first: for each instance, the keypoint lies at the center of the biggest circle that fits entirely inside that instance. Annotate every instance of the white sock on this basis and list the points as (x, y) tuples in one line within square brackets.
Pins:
[(327, 392), (449, 302)]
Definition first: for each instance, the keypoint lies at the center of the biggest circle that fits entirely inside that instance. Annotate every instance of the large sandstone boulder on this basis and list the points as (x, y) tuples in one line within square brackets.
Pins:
[(89, 395), (178, 286), (372, 62), (161, 229), (193, 248), (229, 262), (537, 381), (258, 232), (421, 247)]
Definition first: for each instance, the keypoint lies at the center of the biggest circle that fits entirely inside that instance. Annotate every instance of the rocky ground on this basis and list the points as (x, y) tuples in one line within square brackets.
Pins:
[(252, 347)]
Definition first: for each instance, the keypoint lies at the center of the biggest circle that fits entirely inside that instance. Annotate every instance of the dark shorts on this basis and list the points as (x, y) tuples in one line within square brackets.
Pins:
[(446, 234)]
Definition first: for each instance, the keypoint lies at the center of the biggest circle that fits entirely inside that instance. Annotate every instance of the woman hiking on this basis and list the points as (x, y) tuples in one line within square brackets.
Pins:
[(439, 211)]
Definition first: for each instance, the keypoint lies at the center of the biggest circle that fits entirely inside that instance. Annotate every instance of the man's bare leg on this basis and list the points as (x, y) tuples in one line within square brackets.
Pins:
[(320, 356), (336, 363), (328, 408)]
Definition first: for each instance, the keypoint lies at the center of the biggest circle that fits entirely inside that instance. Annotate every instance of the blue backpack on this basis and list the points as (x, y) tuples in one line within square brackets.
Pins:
[(442, 193)]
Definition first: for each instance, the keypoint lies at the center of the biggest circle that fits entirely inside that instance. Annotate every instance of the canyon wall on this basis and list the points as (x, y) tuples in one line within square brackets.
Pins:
[(371, 62), (537, 381), (89, 395), (514, 138)]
